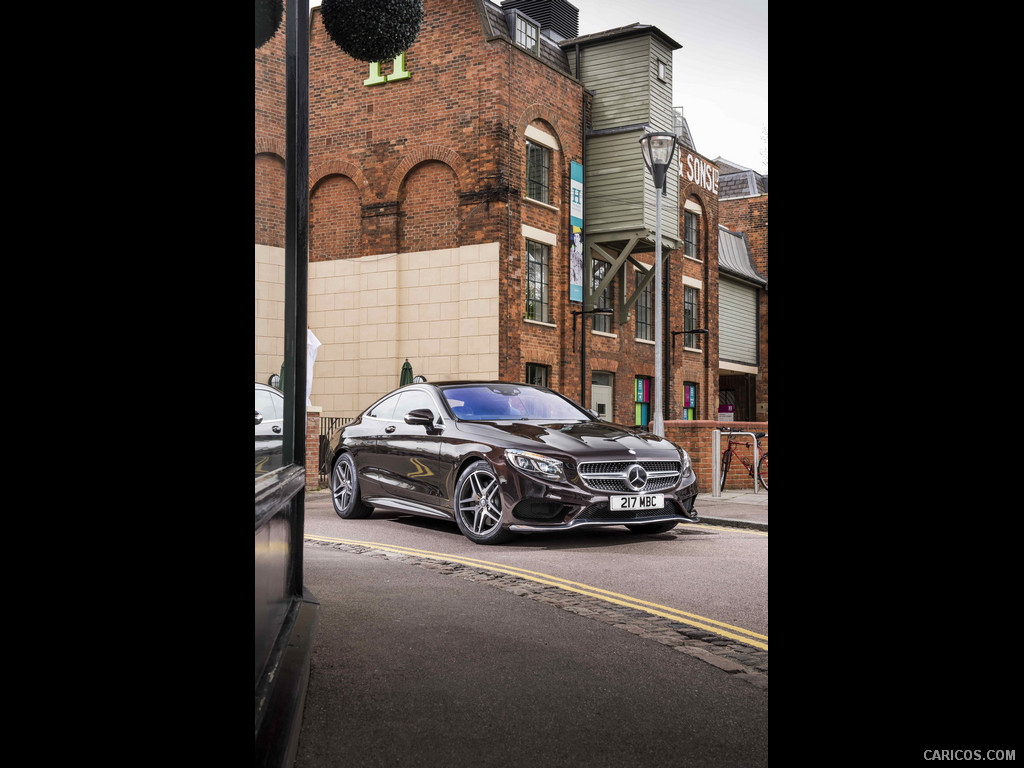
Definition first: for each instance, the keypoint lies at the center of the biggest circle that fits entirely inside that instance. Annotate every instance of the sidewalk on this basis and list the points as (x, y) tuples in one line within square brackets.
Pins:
[(745, 509)]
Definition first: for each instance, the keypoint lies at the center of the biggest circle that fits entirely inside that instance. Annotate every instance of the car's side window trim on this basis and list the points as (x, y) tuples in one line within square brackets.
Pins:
[(438, 410)]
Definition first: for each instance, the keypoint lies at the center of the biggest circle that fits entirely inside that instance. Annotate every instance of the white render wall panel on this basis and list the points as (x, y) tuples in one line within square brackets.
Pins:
[(438, 309)]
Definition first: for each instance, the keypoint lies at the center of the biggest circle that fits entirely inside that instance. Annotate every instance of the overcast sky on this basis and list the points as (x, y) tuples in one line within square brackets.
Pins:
[(719, 76)]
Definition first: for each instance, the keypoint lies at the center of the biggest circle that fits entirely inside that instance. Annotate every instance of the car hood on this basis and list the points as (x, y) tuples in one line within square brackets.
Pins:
[(583, 441)]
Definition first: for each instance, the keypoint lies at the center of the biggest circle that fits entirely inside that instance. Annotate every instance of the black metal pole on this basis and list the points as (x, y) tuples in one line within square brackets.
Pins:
[(583, 359), (296, 224)]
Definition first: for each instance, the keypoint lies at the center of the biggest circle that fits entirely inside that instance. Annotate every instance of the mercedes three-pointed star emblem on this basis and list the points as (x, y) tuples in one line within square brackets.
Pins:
[(636, 476)]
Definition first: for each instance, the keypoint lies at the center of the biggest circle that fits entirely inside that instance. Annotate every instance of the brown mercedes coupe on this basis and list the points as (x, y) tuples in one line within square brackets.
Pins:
[(501, 458)]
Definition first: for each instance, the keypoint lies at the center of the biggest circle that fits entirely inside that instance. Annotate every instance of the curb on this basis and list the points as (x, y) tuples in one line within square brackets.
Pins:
[(732, 523)]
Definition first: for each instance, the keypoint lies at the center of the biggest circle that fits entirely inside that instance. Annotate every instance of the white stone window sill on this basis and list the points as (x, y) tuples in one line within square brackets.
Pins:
[(539, 204)]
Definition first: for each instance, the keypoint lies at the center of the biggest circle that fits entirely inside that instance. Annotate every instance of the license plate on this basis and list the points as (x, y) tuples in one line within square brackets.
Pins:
[(642, 501)]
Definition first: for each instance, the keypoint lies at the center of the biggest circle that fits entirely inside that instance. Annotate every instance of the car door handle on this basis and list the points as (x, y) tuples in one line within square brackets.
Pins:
[(276, 430), (389, 430)]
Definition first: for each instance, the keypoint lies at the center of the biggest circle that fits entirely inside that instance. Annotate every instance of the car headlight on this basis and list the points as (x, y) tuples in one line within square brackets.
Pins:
[(535, 464), (686, 463)]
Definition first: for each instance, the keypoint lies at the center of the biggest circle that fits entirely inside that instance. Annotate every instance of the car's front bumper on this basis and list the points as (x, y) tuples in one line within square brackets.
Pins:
[(541, 507)]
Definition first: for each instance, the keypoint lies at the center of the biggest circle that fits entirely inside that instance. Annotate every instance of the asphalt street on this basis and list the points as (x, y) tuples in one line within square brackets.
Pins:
[(421, 664)]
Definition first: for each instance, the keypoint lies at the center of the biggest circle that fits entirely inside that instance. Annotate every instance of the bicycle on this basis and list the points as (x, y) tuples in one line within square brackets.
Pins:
[(730, 451)]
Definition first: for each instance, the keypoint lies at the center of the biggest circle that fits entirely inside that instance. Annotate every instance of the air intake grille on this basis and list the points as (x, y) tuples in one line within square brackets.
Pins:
[(602, 513), (620, 476)]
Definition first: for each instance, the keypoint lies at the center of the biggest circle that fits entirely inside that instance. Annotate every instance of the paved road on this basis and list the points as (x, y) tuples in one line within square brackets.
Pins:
[(712, 572), (421, 663)]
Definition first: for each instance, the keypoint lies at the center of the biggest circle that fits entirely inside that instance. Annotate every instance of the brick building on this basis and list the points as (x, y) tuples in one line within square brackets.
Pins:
[(743, 211), (448, 191)]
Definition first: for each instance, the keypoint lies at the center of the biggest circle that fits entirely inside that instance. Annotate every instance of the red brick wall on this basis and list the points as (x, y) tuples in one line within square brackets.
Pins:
[(270, 125), (393, 140), (335, 225), (696, 438), (750, 216), (429, 204), (313, 449)]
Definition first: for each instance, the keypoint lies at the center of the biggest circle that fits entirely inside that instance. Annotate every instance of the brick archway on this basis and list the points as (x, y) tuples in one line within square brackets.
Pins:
[(538, 112), (449, 157), (337, 168), (270, 146)]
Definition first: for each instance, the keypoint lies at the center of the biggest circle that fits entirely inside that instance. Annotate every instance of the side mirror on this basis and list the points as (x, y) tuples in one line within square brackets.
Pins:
[(259, 418), (422, 417)]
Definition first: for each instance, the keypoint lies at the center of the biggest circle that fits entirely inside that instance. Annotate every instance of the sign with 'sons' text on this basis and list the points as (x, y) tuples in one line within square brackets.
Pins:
[(702, 173)]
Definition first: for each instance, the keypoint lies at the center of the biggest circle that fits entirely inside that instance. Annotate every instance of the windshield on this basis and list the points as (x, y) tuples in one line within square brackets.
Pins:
[(499, 402)]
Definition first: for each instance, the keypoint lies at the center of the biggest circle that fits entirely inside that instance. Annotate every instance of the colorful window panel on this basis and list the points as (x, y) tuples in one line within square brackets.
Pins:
[(689, 401), (643, 400)]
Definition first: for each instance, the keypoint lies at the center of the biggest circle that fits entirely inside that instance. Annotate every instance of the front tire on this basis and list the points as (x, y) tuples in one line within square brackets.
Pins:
[(726, 458), (762, 471), (478, 505), (345, 490)]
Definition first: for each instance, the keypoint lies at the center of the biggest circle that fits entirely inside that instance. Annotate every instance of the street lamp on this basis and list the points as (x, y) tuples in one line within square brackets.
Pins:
[(583, 355), (658, 150)]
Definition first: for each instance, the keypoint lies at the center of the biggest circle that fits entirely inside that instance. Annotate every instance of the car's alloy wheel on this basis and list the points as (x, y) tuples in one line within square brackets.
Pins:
[(478, 505), (345, 490)]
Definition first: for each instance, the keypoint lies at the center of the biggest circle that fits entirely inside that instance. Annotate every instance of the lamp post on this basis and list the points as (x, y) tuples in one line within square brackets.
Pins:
[(583, 352), (658, 150), (676, 333)]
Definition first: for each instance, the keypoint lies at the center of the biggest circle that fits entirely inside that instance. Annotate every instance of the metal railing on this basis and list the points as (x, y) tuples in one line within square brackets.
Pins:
[(716, 464), (328, 426)]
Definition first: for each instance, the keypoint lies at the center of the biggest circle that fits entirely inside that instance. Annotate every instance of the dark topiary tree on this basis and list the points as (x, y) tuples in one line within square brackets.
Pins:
[(372, 30), (268, 19)]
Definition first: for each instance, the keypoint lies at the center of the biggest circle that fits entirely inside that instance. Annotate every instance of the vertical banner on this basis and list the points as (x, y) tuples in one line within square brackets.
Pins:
[(576, 235)]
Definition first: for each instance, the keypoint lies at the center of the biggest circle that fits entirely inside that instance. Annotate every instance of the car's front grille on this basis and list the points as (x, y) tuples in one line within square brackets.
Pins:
[(614, 476)]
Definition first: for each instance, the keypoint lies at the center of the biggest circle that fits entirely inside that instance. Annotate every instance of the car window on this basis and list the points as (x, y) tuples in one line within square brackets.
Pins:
[(413, 400), (268, 406), (503, 402), (385, 409)]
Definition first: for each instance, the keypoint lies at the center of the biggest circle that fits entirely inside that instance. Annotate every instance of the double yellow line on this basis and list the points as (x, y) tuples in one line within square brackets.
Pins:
[(709, 625)]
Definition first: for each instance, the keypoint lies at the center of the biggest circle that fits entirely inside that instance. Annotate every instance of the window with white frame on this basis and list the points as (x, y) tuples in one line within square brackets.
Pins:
[(537, 374), (599, 269), (644, 309), (538, 258), (690, 295), (526, 34), (538, 172), (690, 231)]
